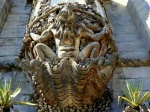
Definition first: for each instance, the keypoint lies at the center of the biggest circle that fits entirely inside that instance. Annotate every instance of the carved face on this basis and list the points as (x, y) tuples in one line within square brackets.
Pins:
[(66, 22), (66, 18)]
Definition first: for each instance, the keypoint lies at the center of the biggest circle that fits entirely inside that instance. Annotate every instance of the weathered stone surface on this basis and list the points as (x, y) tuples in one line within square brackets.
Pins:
[(144, 80), (8, 59), (116, 94), (10, 41), (25, 87), (137, 2), (115, 107), (78, 70), (14, 25), (3, 14), (116, 84), (122, 21), (23, 4), (128, 41), (133, 55), (122, 30), (118, 73), (22, 97), (19, 2), (23, 108), (9, 50), (15, 75), (127, 38), (136, 72), (4, 8), (12, 33), (21, 10), (118, 14), (141, 73), (18, 17), (1, 23), (130, 46), (118, 18), (114, 6), (140, 11), (18, 76)]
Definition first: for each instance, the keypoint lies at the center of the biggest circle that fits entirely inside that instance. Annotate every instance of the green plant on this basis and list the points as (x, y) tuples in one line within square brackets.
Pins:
[(7, 97), (132, 94)]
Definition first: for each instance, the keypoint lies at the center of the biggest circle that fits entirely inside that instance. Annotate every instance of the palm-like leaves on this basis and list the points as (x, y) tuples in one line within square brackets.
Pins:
[(132, 94), (6, 98)]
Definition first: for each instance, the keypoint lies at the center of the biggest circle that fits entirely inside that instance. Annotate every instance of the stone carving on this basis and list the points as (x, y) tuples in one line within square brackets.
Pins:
[(69, 51), (133, 63)]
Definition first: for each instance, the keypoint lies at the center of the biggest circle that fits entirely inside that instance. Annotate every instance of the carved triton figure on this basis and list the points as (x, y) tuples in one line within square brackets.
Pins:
[(67, 35), (70, 51)]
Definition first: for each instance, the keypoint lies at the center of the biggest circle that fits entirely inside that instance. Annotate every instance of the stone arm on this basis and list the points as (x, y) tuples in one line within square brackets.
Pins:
[(46, 35), (87, 33), (97, 36)]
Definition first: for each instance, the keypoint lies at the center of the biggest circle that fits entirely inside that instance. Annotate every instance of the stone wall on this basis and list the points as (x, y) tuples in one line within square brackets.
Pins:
[(14, 15), (140, 11), (4, 9), (26, 90), (136, 8), (133, 74), (136, 15)]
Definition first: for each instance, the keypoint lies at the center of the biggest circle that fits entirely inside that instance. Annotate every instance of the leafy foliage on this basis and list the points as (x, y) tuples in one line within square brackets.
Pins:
[(6, 96), (132, 94)]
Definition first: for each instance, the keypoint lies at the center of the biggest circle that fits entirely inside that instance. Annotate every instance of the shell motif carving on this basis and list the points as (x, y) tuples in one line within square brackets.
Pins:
[(69, 51)]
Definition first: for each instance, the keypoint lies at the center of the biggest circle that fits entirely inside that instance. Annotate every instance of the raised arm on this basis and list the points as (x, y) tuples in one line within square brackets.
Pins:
[(97, 36), (46, 35)]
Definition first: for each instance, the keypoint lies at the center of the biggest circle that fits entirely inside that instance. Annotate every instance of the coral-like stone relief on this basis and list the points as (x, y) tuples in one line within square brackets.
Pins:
[(69, 51)]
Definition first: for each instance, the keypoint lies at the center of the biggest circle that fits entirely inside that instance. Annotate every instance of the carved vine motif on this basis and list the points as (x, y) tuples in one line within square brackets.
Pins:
[(71, 54)]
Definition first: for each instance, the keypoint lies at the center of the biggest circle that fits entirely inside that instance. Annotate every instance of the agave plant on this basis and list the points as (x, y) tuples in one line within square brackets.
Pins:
[(7, 96), (132, 94)]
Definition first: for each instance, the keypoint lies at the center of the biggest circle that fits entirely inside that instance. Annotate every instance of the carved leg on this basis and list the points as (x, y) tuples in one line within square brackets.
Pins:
[(90, 51), (43, 51), (32, 66), (109, 59)]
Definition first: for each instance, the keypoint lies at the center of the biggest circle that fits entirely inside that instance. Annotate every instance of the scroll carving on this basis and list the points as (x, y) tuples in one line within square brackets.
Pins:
[(70, 53)]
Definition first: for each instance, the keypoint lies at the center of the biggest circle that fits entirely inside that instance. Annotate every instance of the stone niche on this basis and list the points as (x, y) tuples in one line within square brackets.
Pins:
[(69, 53)]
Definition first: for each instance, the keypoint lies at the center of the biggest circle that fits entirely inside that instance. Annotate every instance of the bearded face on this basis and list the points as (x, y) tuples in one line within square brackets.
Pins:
[(66, 22), (66, 18)]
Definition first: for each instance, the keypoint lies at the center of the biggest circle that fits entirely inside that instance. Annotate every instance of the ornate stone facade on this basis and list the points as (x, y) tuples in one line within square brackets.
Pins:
[(69, 52)]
